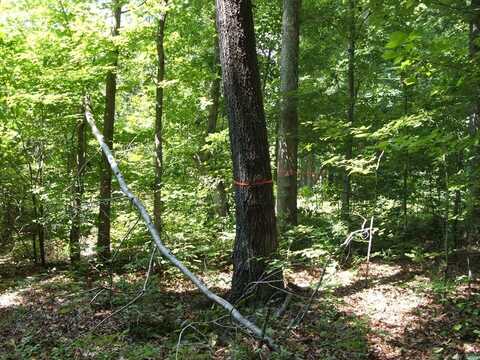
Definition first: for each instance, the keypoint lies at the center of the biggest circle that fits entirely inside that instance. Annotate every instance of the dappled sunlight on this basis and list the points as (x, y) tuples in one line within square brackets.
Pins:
[(220, 280), (9, 299), (386, 304)]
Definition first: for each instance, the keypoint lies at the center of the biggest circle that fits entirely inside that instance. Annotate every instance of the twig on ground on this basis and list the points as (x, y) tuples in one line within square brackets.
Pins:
[(281, 310), (139, 295), (299, 318)]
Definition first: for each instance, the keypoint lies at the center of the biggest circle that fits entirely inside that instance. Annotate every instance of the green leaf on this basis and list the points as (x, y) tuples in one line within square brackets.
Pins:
[(457, 327), (396, 39)]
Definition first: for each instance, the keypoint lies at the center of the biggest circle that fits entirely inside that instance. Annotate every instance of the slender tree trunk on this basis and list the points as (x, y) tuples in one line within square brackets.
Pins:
[(405, 195), (41, 235), (288, 125), (309, 170), (37, 206), (35, 224), (405, 167), (78, 191), (214, 90), (221, 196), (41, 211), (34, 247), (8, 223), (221, 199), (256, 237), (103, 242), (157, 201), (457, 205), (473, 216), (351, 111)]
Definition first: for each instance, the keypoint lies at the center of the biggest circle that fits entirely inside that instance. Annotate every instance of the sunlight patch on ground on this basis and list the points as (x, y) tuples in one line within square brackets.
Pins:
[(389, 302), (301, 278), (341, 277), (383, 300), (9, 299), (221, 280), (386, 304)]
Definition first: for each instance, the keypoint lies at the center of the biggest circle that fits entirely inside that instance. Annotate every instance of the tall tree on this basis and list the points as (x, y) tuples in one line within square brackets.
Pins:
[(220, 197), (288, 124), (474, 124), (256, 237), (214, 89), (157, 200), (36, 181), (352, 98), (103, 242), (78, 188)]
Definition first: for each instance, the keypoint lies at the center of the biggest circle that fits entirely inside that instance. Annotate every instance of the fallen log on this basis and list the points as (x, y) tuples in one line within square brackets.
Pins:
[(236, 315)]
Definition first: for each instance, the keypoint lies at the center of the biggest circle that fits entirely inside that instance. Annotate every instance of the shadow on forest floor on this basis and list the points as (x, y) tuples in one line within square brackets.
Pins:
[(50, 315)]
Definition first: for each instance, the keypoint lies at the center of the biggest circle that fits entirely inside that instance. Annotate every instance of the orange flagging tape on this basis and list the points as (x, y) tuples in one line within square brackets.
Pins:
[(255, 183)]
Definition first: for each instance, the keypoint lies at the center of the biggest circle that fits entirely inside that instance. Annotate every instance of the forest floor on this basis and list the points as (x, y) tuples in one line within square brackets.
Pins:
[(404, 311)]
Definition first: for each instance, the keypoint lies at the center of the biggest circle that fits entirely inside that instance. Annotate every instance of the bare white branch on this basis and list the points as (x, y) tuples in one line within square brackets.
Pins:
[(251, 327)]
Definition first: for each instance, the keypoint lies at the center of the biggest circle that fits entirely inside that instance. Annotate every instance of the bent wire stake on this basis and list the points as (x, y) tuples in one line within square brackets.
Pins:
[(251, 327)]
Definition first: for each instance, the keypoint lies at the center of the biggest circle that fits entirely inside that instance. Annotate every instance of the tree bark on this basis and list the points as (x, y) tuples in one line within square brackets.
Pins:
[(256, 237), (288, 125), (103, 241), (347, 190), (157, 200), (78, 191)]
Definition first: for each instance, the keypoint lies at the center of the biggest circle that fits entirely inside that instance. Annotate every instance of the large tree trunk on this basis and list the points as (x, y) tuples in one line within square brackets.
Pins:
[(256, 235), (288, 126), (78, 191), (474, 127), (157, 200), (103, 242), (347, 188)]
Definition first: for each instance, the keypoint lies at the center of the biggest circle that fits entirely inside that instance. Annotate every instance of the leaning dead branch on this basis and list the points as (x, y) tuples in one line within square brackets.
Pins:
[(251, 327)]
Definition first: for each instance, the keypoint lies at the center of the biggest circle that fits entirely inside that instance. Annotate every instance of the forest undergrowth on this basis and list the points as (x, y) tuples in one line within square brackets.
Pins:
[(403, 311)]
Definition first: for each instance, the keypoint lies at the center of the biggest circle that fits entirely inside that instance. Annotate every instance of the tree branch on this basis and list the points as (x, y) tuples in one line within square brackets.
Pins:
[(251, 327)]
